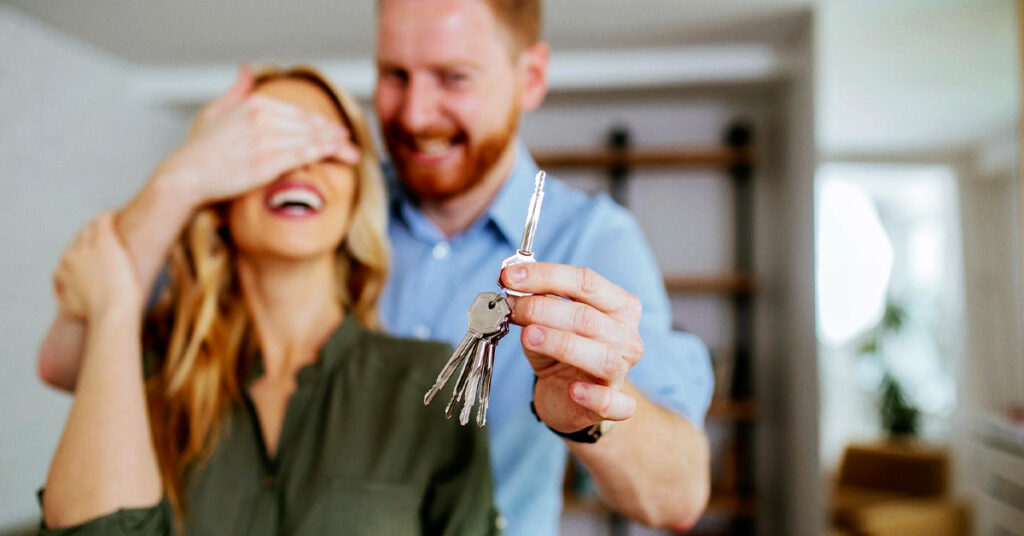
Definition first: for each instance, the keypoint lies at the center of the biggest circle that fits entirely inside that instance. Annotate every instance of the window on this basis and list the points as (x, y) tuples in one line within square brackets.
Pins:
[(887, 238)]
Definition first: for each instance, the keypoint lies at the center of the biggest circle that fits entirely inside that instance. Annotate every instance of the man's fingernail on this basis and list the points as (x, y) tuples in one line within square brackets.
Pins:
[(579, 392), (536, 337), (516, 273)]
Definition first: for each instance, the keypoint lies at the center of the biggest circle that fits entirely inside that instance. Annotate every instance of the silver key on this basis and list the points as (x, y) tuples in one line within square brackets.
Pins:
[(525, 252), (488, 319), (486, 373), (472, 387), (484, 318), (485, 387), (466, 378)]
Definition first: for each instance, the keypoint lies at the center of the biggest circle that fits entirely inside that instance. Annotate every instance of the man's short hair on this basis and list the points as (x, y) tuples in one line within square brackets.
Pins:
[(522, 19)]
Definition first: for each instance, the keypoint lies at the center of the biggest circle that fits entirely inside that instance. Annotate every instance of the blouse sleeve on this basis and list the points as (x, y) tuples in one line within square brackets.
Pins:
[(156, 520)]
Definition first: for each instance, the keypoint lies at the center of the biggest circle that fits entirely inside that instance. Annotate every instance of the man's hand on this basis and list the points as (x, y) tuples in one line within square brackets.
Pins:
[(581, 348), (95, 274)]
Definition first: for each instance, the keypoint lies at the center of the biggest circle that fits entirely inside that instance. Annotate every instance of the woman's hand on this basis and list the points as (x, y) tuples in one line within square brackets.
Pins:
[(244, 141), (95, 274)]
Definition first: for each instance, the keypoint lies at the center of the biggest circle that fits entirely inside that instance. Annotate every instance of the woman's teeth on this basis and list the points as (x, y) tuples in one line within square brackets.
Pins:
[(296, 199)]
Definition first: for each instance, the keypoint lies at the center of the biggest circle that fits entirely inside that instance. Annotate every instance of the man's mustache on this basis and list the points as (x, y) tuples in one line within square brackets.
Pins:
[(398, 134)]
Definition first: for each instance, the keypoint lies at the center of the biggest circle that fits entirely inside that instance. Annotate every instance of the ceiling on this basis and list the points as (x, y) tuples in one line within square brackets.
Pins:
[(204, 32), (916, 76), (891, 77)]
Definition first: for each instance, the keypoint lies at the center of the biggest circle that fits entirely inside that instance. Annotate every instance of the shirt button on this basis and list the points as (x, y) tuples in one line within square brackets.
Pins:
[(421, 332), (442, 250)]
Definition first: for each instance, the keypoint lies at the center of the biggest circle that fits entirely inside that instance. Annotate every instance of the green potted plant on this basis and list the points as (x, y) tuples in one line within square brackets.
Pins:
[(899, 417)]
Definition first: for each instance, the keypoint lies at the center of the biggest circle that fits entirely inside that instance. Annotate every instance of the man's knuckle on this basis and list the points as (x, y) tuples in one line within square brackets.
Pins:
[(587, 281), (567, 345), (636, 348), (585, 321), (611, 363), (529, 308), (605, 404), (634, 305)]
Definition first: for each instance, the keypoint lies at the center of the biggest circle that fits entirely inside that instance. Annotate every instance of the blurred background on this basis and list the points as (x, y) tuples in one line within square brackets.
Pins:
[(832, 190)]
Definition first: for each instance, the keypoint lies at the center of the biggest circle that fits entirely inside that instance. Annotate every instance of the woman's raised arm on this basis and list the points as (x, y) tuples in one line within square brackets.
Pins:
[(241, 142)]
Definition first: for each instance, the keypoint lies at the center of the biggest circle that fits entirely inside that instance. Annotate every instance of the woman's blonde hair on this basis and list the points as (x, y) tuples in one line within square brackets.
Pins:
[(202, 325)]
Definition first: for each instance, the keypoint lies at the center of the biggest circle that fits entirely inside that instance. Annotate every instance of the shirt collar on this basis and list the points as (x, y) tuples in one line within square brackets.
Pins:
[(507, 211), (405, 211)]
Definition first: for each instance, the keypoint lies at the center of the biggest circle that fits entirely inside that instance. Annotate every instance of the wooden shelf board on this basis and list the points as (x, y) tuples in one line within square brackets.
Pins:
[(710, 284), (650, 157), (733, 410)]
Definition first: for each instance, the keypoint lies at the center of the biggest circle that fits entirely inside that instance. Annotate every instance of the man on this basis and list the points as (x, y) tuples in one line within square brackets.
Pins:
[(454, 76)]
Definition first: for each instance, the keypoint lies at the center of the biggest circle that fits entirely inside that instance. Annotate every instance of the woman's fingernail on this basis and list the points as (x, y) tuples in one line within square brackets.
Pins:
[(535, 336)]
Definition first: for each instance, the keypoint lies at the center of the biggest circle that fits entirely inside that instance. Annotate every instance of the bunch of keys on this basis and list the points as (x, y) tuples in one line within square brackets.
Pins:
[(488, 319)]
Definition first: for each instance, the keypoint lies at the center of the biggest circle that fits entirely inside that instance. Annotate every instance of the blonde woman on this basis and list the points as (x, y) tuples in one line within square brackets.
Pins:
[(266, 402)]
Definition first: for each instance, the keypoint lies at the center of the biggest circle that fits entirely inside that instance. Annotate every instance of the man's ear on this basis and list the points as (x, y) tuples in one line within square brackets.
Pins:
[(533, 65)]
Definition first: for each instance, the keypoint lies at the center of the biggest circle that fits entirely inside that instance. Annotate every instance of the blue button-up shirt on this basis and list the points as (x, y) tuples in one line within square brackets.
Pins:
[(434, 278)]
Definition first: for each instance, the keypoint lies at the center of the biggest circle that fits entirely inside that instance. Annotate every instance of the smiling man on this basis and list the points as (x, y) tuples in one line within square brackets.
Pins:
[(454, 77)]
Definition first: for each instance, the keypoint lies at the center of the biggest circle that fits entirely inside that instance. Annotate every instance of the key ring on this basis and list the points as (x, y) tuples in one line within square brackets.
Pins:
[(497, 297)]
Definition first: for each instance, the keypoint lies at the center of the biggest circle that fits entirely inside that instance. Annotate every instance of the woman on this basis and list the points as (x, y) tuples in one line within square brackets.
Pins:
[(269, 406)]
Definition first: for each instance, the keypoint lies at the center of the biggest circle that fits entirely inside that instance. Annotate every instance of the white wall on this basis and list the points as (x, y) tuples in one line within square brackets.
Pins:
[(990, 195), (72, 142)]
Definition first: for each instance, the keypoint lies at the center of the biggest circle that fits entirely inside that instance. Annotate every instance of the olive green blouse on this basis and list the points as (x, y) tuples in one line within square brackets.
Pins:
[(358, 454)]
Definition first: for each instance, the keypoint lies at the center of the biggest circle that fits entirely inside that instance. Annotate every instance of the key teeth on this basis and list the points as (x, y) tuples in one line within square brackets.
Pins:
[(449, 411)]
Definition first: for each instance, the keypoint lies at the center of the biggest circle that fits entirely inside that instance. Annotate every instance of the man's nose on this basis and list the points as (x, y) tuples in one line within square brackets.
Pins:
[(419, 104)]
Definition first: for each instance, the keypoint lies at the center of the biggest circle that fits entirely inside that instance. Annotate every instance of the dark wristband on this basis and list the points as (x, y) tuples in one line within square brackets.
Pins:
[(589, 434)]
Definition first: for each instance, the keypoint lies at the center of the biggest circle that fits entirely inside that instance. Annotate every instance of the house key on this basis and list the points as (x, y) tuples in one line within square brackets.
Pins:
[(525, 252), (488, 318)]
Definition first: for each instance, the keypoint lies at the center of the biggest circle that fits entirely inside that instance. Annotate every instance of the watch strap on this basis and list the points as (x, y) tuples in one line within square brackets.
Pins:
[(589, 434)]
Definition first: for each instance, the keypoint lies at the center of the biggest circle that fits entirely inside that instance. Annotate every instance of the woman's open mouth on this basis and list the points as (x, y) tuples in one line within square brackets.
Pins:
[(294, 199)]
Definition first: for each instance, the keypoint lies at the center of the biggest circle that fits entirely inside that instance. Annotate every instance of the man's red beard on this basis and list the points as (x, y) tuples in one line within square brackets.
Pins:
[(429, 185)]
